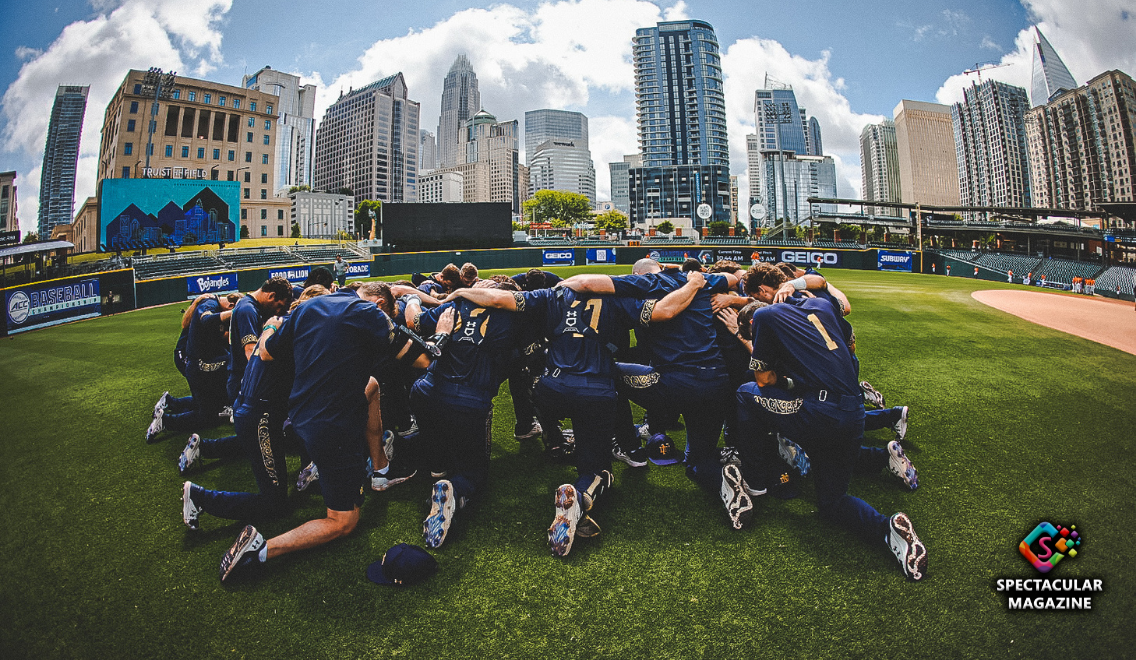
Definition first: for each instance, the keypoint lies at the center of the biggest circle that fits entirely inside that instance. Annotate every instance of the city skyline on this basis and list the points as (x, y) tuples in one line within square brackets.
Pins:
[(524, 64)]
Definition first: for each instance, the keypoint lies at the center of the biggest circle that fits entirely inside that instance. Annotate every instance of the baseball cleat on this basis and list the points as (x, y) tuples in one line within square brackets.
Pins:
[(729, 455), (564, 450), (907, 547), (739, 505), (396, 474), (410, 431), (901, 426), (442, 507), (189, 510), (900, 466), (307, 476), (643, 431), (156, 425), (563, 529), (225, 414), (162, 404), (190, 454), (600, 483), (244, 553), (587, 528), (792, 454), (872, 395), (636, 457), (388, 444), (523, 433)]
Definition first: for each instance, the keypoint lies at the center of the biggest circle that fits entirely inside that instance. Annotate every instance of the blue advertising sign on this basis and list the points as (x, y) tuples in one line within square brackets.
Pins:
[(560, 257), (601, 256), (357, 270), (814, 258), (888, 260), (214, 283), (140, 213), (39, 306), (293, 275), (671, 256)]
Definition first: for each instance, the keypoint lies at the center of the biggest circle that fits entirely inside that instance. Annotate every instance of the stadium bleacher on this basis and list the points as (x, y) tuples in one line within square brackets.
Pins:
[(781, 242), (668, 240), (824, 243), (148, 268), (961, 255), (325, 252), (726, 240), (1117, 276), (238, 259), (547, 241), (1020, 264), (1064, 270)]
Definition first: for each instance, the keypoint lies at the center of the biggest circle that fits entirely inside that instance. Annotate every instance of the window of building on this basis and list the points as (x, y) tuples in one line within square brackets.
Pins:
[(128, 149), (126, 171), (248, 156), (232, 155), (138, 88), (248, 136), (221, 101), (229, 174), (237, 103), (133, 107), (213, 174), (268, 108), (169, 151), (268, 124), (247, 192), (244, 214), (201, 152), (252, 122), (264, 193), (264, 214), (208, 99), (252, 106), (264, 159), (263, 230), (264, 177), (185, 152), (216, 154), (280, 228), (177, 94), (129, 125), (279, 214), (247, 179), (266, 138)]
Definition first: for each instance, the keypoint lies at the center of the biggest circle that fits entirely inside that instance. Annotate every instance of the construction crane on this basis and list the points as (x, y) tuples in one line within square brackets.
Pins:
[(980, 67)]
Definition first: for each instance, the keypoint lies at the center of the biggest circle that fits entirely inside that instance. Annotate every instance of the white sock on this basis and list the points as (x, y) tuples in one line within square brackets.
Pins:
[(384, 470), (263, 554)]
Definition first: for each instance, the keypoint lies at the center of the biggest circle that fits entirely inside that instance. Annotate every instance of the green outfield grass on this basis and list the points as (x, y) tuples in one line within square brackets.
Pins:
[(1011, 424)]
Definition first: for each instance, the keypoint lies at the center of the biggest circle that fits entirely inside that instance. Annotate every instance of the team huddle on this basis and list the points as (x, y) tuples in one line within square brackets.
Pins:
[(375, 384)]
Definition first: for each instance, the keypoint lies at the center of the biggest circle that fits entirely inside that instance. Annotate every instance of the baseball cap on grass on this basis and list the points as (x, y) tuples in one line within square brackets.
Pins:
[(402, 565), (661, 450)]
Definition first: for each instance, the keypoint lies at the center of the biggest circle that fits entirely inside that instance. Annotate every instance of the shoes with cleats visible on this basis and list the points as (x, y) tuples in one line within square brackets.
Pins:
[(563, 530), (739, 504), (636, 457), (307, 477), (410, 431), (190, 454), (156, 426), (388, 444), (900, 466), (244, 553), (587, 528), (901, 426), (189, 510), (226, 414), (907, 547), (792, 454), (162, 404), (729, 455), (395, 475), (643, 431), (872, 395), (443, 504), (522, 433), (562, 451)]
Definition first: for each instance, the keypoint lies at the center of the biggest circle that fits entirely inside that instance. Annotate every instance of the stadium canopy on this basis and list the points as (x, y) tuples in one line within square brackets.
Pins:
[(30, 248)]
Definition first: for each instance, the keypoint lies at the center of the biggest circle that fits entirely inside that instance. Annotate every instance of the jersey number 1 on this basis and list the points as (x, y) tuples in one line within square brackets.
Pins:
[(823, 333)]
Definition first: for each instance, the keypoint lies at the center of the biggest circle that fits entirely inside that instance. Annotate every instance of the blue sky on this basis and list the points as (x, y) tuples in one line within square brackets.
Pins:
[(849, 62)]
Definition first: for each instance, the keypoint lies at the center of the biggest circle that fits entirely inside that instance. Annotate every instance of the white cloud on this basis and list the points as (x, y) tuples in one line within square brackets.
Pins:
[(989, 44), (98, 52), (747, 61), (24, 53), (610, 139)]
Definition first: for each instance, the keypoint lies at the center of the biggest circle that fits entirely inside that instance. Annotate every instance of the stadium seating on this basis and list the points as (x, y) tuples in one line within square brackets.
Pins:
[(548, 241), (961, 255), (1020, 264), (668, 240), (148, 268), (324, 253), (726, 240), (1063, 270), (781, 242), (1116, 276), (238, 259), (824, 243)]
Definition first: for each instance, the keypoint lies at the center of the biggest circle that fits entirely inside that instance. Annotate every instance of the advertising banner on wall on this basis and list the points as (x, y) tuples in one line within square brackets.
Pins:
[(804, 257), (560, 257), (601, 256), (293, 275), (357, 270), (139, 213), (672, 256), (38, 306), (213, 283), (888, 260)]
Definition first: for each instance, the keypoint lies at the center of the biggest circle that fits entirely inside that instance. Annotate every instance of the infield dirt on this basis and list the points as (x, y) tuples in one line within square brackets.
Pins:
[(1105, 321)]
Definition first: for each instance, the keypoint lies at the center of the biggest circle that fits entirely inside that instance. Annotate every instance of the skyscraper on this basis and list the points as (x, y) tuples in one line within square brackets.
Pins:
[(428, 152), (368, 142), (620, 182), (1081, 145), (879, 162), (678, 95), (60, 157), (928, 164), (1050, 74), (460, 101), (990, 144), (562, 165), (544, 125), (295, 124)]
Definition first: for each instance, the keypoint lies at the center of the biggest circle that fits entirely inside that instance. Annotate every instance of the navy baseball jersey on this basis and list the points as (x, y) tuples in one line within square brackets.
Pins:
[(206, 347), (550, 280), (268, 382), (475, 362), (584, 331), (801, 339), (244, 328), (688, 340)]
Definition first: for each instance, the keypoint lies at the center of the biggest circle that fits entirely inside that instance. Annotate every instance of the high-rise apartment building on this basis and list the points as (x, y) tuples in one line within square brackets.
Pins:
[(200, 130), (1049, 74), (8, 220), (561, 164), (368, 142), (677, 192), (427, 152), (563, 125), (621, 182), (60, 157), (788, 182), (781, 124), (1082, 145), (990, 144), (679, 98), (879, 163), (323, 214), (928, 163), (441, 187), (295, 124), (461, 100)]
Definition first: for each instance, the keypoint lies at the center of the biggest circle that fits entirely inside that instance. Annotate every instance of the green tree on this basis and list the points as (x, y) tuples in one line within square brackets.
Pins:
[(244, 231), (719, 228), (519, 227), (366, 211), (301, 188), (31, 237), (346, 191), (552, 205), (296, 230), (611, 221), (665, 227), (740, 229)]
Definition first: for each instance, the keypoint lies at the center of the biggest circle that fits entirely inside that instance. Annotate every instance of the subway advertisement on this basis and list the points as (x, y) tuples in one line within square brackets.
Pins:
[(889, 260), (38, 306), (149, 213)]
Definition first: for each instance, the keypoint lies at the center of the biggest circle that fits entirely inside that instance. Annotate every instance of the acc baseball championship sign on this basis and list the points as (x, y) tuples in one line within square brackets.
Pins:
[(32, 307), (215, 283)]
